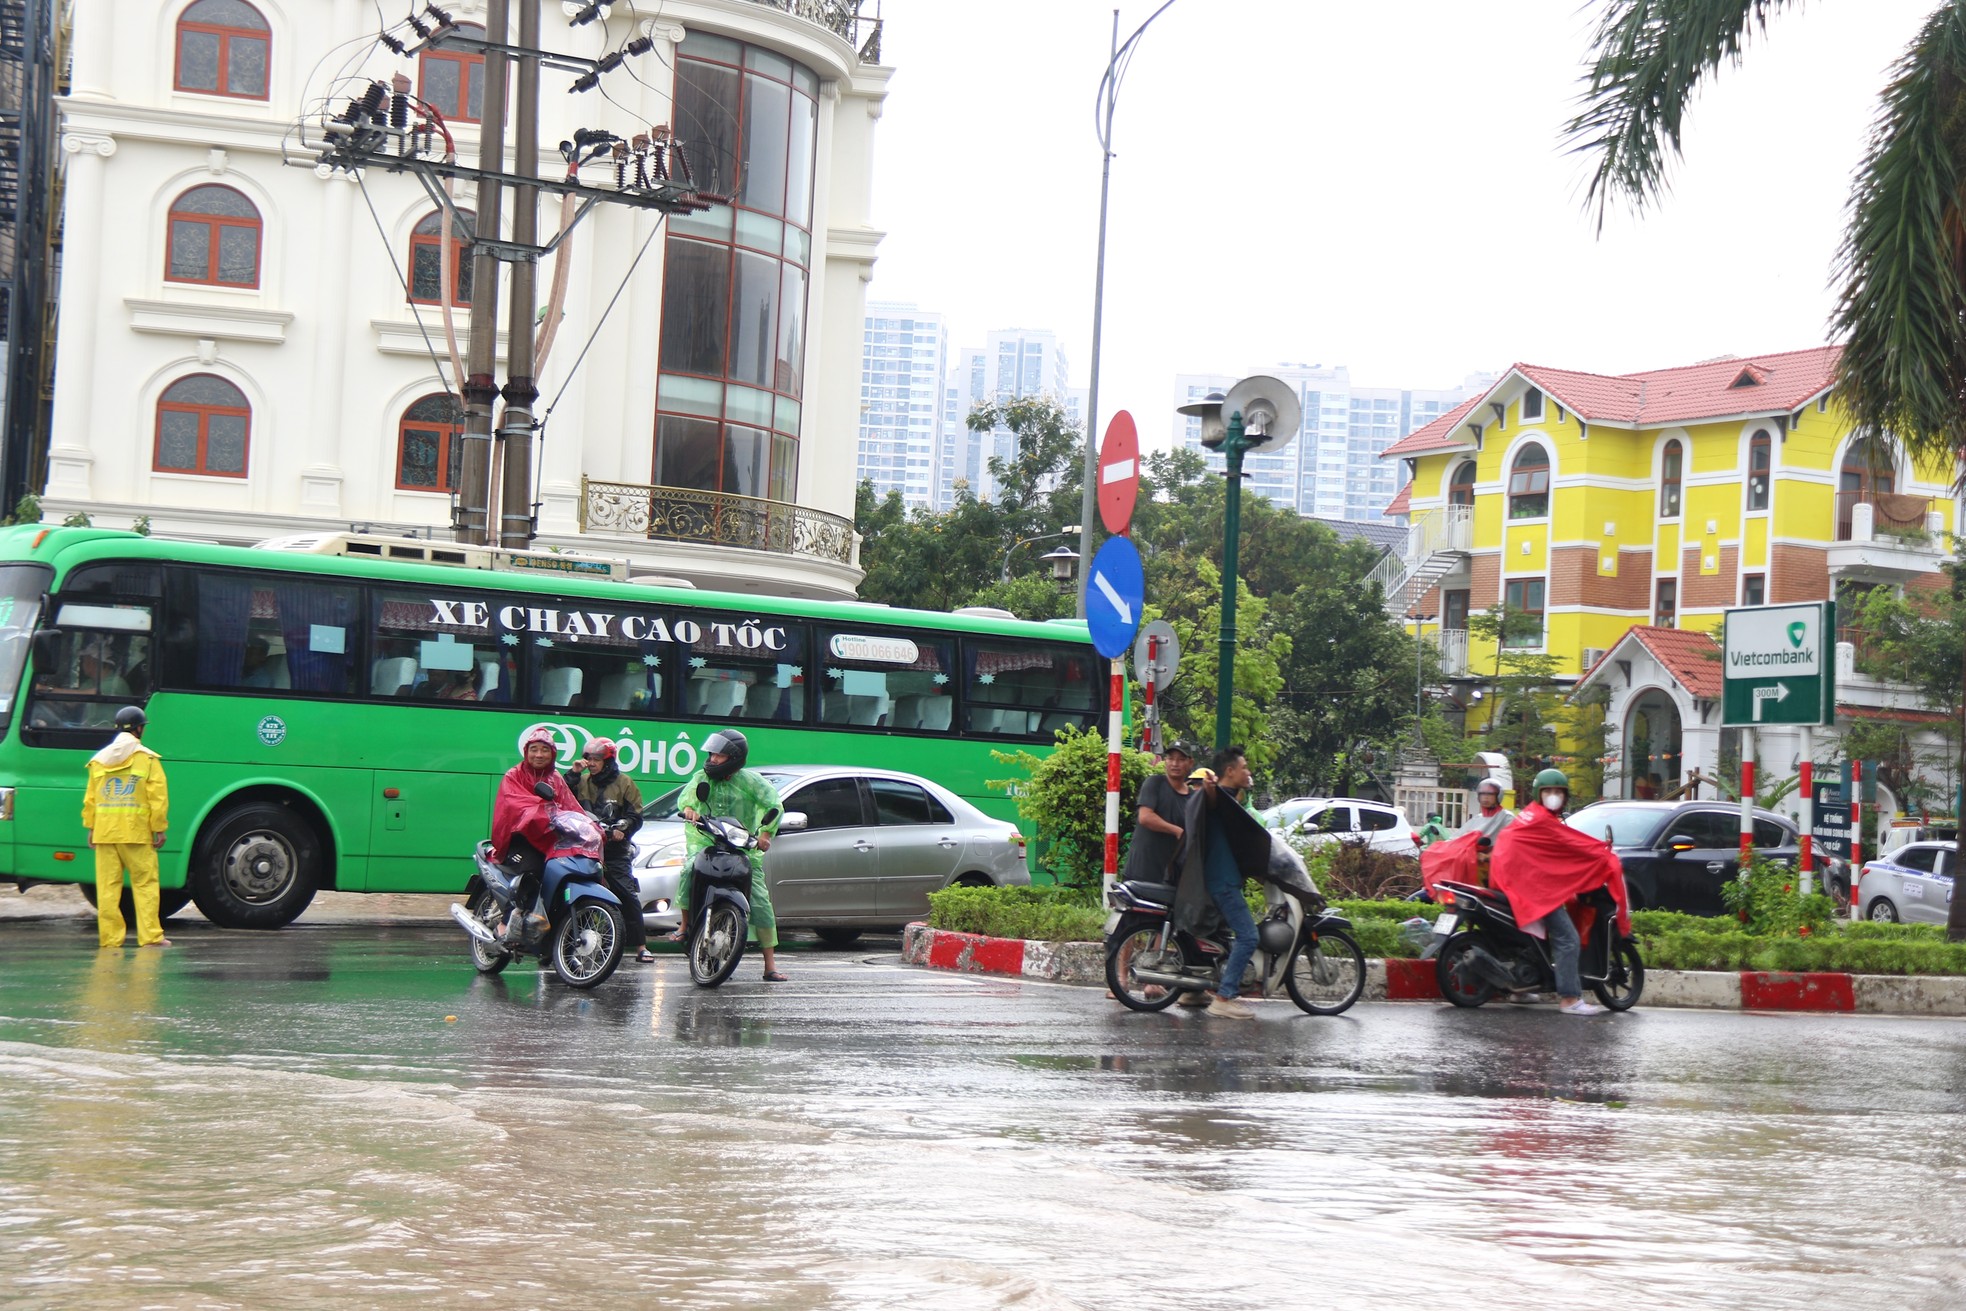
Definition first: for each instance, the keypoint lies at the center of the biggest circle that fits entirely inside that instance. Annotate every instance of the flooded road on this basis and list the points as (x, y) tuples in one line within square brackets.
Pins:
[(294, 1120)]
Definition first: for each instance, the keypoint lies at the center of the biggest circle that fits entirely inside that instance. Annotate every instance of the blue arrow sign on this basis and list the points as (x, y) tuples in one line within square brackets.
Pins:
[(1115, 593)]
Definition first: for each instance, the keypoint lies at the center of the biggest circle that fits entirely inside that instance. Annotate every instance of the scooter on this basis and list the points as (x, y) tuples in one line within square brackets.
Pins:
[(1302, 946), (1480, 950), (719, 901), (584, 925)]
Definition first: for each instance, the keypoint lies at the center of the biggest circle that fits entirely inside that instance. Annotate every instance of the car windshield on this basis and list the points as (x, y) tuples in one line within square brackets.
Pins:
[(669, 803), (1628, 826)]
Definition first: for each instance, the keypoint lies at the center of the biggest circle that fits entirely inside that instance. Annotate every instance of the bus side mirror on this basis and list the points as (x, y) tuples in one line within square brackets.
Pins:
[(47, 649), (794, 822)]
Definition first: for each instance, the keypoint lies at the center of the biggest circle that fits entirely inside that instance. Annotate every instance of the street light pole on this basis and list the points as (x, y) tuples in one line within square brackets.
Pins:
[(1109, 89), (1233, 447)]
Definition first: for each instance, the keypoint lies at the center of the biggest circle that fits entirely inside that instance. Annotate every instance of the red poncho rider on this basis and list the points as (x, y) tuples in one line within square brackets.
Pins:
[(523, 838)]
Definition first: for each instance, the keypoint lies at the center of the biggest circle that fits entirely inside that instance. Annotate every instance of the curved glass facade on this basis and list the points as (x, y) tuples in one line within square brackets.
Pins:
[(734, 285)]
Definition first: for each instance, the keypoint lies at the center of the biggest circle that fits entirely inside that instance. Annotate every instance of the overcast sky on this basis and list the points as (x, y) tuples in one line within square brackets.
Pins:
[(1370, 184)]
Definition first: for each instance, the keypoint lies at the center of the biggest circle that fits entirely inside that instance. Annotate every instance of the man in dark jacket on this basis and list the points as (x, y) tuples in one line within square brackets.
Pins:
[(1222, 845), (612, 798)]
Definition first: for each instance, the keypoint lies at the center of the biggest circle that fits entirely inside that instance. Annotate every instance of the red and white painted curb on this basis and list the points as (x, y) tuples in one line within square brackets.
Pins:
[(1413, 980)]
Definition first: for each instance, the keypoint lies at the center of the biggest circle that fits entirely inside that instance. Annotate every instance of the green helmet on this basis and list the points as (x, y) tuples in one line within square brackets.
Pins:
[(1552, 778)]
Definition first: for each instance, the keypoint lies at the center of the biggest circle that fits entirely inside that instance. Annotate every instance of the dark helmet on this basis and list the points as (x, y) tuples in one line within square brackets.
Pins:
[(131, 719), (730, 744)]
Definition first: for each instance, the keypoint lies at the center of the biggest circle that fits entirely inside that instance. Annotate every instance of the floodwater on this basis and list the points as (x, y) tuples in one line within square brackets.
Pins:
[(294, 1120)]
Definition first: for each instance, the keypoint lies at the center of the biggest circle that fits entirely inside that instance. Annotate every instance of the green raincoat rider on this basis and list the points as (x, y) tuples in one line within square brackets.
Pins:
[(725, 789)]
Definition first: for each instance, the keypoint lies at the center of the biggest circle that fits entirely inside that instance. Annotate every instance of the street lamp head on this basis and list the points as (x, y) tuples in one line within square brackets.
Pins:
[(1064, 562), (1270, 412), (1214, 425)]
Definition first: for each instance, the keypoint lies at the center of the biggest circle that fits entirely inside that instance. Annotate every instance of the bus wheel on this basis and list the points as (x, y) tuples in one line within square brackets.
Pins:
[(256, 867), (169, 901)]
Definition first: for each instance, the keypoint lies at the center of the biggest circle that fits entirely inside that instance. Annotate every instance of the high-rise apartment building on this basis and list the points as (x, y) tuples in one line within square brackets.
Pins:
[(1016, 362), (904, 358), (1332, 469)]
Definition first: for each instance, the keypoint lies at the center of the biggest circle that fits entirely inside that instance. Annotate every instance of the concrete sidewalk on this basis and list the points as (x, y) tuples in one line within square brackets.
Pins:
[(1084, 964)]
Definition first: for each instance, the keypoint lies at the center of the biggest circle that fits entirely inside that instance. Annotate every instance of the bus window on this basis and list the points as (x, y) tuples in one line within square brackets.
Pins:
[(734, 672), (603, 670), (21, 586), (263, 631), (885, 680), (1027, 689), (87, 683), (420, 651)]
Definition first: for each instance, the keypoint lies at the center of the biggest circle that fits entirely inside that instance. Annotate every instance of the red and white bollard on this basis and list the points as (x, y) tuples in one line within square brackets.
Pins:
[(1117, 695), (1747, 795), (1856, 838), (1808, 883)]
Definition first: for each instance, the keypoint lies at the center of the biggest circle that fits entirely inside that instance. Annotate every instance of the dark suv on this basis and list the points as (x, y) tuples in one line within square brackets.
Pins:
[(1677, 854)]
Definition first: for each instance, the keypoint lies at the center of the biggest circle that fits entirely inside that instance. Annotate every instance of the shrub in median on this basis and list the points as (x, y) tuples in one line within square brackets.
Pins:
[(1043, 914)]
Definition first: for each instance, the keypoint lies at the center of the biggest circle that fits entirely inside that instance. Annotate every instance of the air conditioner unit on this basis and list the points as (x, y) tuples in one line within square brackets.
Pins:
[(1592, 654)]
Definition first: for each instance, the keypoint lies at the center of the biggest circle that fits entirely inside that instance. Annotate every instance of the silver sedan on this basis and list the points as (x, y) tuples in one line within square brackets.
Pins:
[(857, 849), (1913, 884)]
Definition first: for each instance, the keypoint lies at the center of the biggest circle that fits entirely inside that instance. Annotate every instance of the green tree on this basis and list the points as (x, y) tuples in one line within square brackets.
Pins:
[(1901, 306), (1063, 795), (1525, 698), (1195, 610), (1920, 640), (1028, 596)]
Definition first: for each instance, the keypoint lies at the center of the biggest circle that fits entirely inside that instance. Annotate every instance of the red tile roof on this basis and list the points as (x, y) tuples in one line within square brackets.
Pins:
[(1435, 436), (1686, 394), (1690, 392), (1892, 716), (1401, 504), (1692, 658)]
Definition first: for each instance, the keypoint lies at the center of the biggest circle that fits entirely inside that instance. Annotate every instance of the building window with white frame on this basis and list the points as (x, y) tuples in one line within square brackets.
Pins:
[(1672, 462), (1529, 483), (1761, 452), (1522, 613), (1532, 405)]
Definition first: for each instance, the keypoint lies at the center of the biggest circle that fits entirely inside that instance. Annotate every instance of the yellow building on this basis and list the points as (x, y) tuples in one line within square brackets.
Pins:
[(1603, 506)]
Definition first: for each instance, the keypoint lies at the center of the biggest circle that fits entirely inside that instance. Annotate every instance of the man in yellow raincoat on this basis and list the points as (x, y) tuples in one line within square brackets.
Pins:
[(126, 811)]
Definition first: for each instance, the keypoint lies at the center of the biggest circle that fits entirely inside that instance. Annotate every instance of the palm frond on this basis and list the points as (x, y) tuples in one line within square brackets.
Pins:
[(1902, 267), (1650, 56)]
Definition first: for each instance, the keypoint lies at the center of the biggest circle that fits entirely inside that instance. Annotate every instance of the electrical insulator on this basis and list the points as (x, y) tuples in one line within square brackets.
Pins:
[(585, 82), (441, 15), (620, 166), (399, 103), (609, 62), (641, 45)]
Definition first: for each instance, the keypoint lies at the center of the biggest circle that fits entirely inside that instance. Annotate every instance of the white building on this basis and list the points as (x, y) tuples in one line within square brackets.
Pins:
[(1332, 470), (240, 358), (903, 360), (1017, 362)]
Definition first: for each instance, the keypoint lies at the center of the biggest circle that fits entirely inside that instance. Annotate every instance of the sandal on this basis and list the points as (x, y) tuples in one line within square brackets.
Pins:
[(773, 976), (645, 957)]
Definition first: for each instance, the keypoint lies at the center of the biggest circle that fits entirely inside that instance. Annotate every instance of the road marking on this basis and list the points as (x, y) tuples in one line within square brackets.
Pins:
[(1112, 595)]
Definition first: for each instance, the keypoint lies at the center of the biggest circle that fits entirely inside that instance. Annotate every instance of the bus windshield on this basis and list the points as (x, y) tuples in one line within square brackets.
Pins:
[(21, 589)]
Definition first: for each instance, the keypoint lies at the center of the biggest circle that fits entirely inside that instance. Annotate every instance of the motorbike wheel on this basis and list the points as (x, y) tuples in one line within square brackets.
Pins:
[(588, 945), (1326, 975), (1620, 992), (717, 946), (1458, 983), (1124, 951), (488, 959)]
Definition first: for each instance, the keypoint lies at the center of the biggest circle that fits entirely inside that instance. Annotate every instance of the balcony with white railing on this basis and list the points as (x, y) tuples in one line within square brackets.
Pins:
[(1890, 538), (1452, 644), (1436, 541)]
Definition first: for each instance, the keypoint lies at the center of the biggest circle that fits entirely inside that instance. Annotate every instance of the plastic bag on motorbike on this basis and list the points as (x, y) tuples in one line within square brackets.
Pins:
[(577, 829)]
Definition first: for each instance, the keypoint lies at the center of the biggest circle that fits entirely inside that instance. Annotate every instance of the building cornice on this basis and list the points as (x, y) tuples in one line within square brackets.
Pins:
[(215, 322)]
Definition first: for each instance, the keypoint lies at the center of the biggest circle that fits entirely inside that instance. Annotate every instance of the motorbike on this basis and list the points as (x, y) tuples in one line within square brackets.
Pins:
[(1302, 946), (719, 901), (584, 919), (1479, 950)]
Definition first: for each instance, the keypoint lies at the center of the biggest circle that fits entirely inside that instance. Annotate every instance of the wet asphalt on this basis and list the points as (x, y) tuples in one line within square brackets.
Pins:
[(344, 1112)]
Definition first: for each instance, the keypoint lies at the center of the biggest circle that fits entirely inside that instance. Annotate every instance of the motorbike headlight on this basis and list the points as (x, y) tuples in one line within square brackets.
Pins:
[(667, 856)]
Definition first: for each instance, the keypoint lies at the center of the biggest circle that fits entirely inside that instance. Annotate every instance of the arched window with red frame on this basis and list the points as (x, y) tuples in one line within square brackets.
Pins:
[(1461, 487), (204, 426), (429, 443), (214, 238), (224, 48), (428, 248), (451, 79)]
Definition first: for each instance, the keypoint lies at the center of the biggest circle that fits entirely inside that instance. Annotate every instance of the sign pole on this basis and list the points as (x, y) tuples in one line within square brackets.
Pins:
[(1150, 738), (1747, 795), (1808, 883), (1856, 837), (1115, 696)]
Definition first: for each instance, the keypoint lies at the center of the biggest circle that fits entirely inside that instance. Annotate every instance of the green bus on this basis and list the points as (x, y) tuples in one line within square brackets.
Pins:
[(335, 712)]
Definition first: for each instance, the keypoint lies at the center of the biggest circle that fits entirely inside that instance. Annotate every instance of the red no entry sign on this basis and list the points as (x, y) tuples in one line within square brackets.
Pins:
[(1119, 473)]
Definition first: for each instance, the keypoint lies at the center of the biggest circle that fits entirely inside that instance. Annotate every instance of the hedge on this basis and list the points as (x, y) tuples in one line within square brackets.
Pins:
[(1668, 940)]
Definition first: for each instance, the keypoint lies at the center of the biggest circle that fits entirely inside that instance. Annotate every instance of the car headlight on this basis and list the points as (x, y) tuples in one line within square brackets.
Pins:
[(667, 856)]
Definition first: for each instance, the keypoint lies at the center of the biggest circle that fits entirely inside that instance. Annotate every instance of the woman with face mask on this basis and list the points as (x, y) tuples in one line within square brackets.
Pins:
[(1540, 863)]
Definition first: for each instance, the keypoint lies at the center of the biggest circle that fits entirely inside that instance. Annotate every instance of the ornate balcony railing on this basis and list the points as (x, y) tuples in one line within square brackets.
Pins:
[(685, 514), (858, 22)]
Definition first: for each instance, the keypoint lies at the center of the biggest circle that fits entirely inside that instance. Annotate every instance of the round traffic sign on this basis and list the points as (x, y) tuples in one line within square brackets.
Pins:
[(1167, 653), (1116, 588), (1119, 473)]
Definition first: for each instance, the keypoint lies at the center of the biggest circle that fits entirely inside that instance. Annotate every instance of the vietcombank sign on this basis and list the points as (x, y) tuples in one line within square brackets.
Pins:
[(1780, 667)]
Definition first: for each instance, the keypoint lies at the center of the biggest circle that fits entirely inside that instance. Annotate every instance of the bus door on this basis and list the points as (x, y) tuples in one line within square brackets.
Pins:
[(424, 827)]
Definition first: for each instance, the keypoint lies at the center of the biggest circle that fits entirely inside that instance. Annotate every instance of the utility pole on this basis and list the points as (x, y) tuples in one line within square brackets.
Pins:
[(474, 523), (521, 387)]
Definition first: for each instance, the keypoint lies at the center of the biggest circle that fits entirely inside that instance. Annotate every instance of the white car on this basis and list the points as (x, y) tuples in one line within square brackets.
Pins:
[(857, 849), (1913, 884), (1347, 819)]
